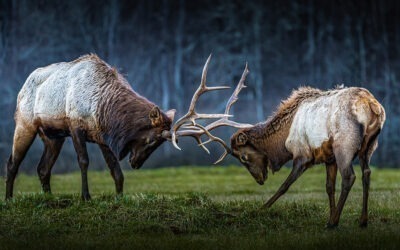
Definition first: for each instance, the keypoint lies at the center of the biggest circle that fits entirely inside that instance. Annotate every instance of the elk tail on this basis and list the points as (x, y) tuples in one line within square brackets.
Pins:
[(378, 112)]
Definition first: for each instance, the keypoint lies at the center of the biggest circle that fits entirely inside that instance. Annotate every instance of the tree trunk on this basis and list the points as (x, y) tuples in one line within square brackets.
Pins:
[(258, 64), (113, 12), (179, 91)]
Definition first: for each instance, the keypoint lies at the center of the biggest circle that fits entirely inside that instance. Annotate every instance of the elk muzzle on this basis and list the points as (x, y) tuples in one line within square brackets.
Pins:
[(133, 160), (259, 173)]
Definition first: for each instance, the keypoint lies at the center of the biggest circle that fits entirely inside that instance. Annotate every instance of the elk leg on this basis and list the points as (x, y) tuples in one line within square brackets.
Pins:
[(79, 141), (23, 138), (114, 167), (299, 166), (343, 160), (52, 148), (366, 173), (331, 172)]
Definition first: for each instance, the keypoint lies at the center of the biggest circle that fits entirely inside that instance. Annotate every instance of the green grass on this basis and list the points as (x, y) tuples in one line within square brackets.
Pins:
[(206, 208)]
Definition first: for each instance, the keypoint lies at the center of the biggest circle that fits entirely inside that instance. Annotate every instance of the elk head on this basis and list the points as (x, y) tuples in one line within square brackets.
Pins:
[(253, 159), (151, 137)]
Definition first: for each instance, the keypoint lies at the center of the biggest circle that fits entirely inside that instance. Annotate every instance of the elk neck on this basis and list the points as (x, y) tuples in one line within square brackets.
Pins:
[(121, 112), (270, 136)]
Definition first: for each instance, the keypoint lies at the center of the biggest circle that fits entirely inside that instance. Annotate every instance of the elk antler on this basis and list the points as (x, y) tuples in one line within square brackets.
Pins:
[(188, 121)]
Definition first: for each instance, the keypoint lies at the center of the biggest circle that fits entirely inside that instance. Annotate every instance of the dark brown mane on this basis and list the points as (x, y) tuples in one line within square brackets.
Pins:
[(119, 103)]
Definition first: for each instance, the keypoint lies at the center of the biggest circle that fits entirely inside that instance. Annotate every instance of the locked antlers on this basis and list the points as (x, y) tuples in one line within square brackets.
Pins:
[(187, 126)]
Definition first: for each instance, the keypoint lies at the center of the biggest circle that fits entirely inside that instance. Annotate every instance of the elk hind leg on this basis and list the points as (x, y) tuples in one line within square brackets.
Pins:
[(344, 159), (331, 173), (365, 157), (23, 139)]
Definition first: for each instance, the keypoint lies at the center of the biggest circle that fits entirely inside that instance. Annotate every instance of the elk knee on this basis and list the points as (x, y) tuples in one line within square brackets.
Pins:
[(330, 188), (367, 172), (366, 176), (83, 162), (348, 182), (41, 172), (119, 177)]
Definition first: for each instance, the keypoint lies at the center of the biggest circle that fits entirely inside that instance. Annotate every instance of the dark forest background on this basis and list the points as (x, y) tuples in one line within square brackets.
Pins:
[(161, 46)]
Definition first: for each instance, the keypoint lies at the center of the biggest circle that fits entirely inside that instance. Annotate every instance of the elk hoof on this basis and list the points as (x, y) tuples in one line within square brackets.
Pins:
[(86, 197), (330, 225), (363, 224), (46, 189), (265, 206)]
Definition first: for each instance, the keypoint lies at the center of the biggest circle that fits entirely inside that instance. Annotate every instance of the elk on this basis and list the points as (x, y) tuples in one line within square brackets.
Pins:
[(90, 101), (313, 127)]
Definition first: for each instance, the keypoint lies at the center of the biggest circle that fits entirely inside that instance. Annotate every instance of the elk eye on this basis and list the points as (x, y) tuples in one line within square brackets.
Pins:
[(244, 158)]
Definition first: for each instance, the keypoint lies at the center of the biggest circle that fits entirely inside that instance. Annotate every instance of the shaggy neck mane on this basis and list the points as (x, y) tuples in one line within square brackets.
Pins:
[(287, 109), (121, 111), (270, 136)]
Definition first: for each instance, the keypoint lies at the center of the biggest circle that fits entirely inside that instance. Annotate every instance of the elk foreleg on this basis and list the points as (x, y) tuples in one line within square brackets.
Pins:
[(331, 173), (299, 166), (114, 167), (79, 141)]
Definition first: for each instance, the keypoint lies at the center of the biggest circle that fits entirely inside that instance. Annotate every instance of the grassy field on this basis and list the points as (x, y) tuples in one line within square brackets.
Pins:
[(205, 208)]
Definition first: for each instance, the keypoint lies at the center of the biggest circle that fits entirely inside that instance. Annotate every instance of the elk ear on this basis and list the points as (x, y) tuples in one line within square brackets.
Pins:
[(241, 139), (171, 114), (155, 116)]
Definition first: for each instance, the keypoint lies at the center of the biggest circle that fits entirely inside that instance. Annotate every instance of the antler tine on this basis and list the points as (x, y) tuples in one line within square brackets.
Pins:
[(200, 143), (224, 121), (191, 115), (203, 88), (216, 139), (238, 88)]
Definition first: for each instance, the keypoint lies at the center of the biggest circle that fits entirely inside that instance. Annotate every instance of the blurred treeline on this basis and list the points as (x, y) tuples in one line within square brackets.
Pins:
[(161, 46)]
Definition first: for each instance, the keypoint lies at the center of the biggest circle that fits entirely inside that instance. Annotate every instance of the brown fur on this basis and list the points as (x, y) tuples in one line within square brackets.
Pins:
[(122, 113), (287, 109)]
